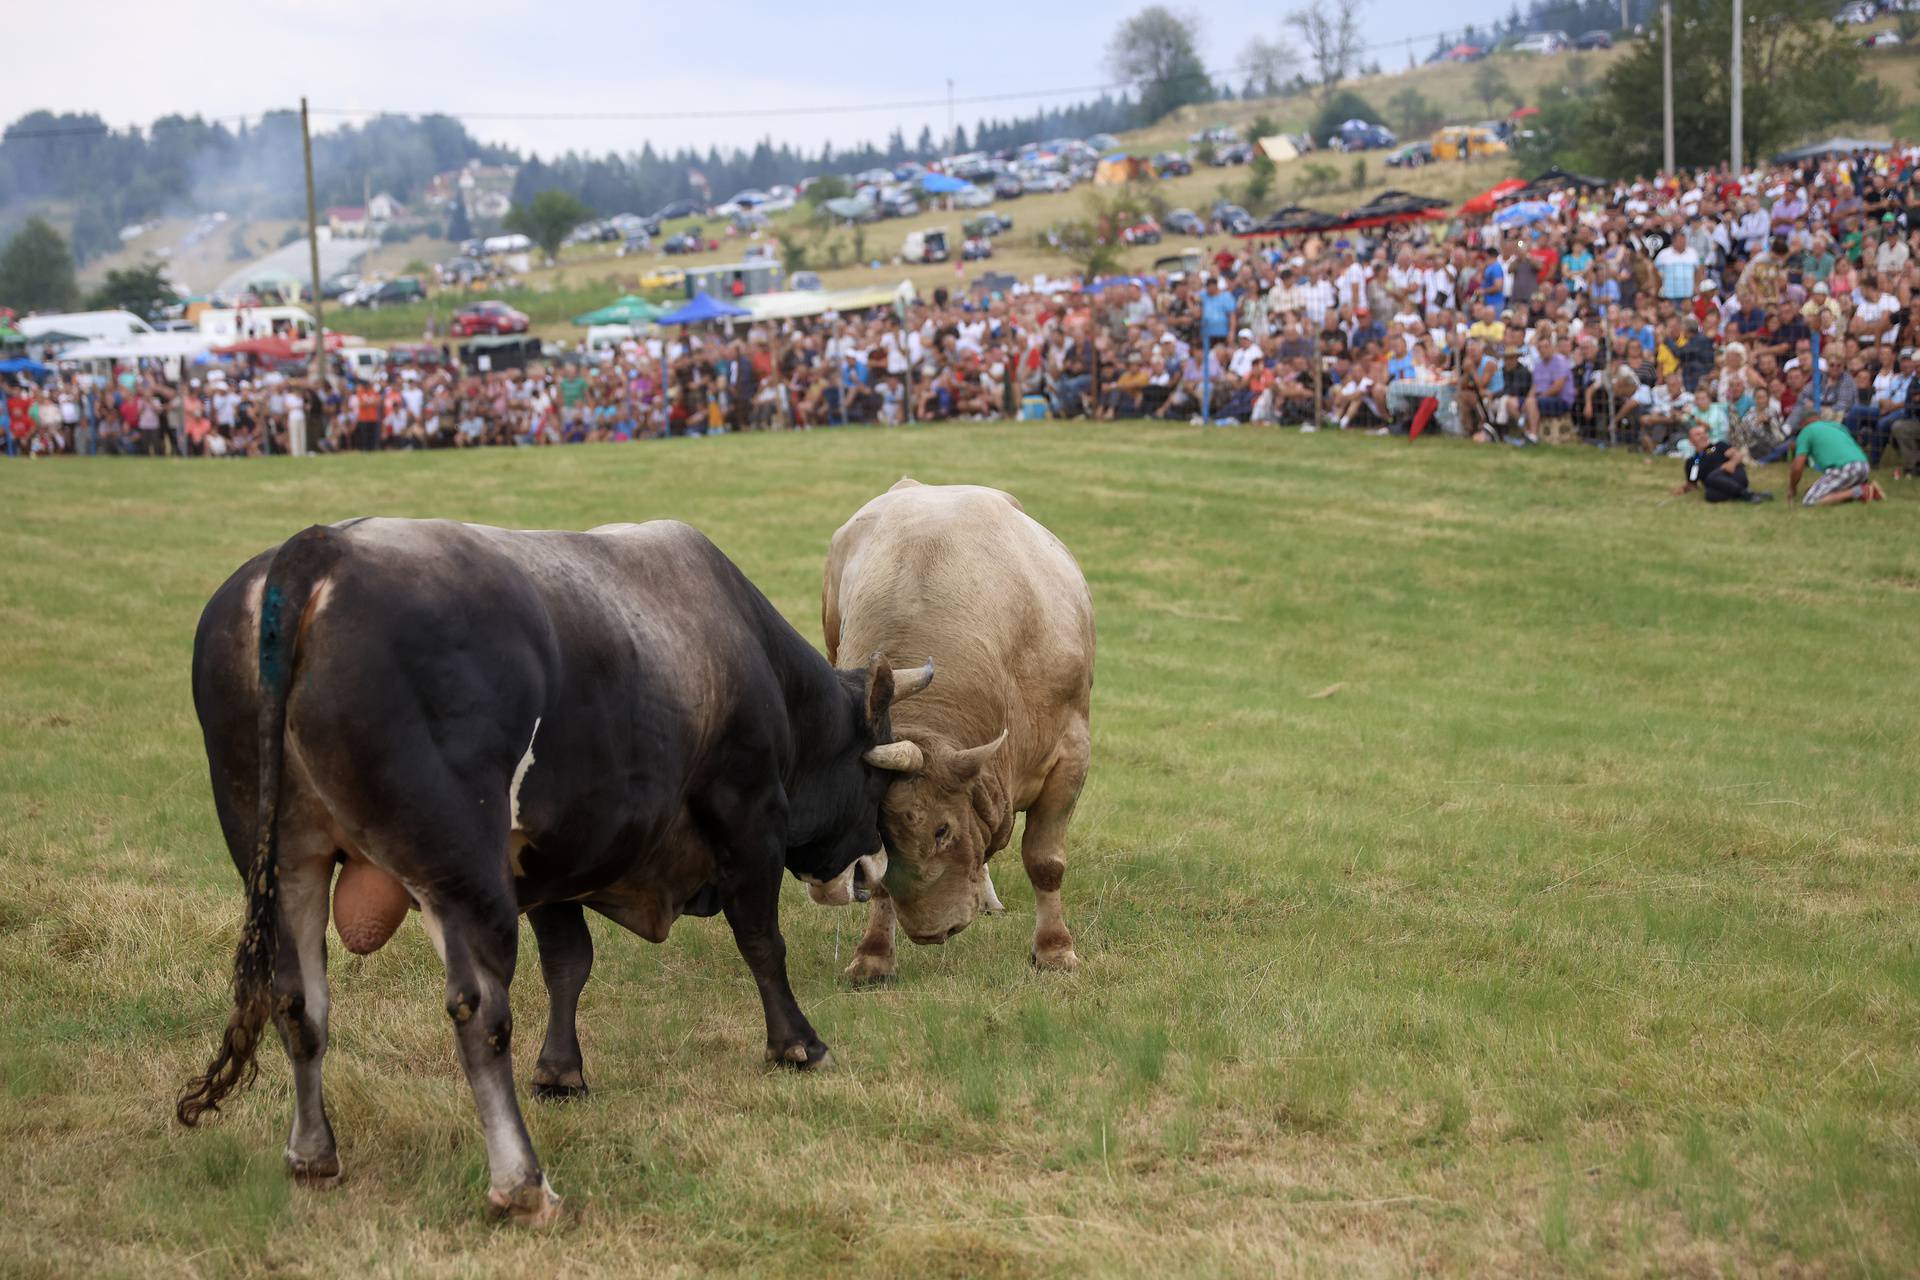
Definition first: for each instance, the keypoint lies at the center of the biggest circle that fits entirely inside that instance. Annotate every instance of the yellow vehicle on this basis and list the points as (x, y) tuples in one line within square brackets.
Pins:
[(664, 278), (1477, 141)]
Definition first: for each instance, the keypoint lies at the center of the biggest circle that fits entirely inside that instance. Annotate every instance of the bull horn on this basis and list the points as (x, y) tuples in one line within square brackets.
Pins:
[(908, 681), (901, 757), (971, 761)]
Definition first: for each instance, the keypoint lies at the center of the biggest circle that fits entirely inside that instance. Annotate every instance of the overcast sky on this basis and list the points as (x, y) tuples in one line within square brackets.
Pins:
[(785, 64)]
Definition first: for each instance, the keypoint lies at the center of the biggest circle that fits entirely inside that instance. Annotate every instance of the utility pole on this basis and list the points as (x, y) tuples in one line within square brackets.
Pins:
[(950, 133), (1626, 20), (1739, 29), (298, 442), (1666, 85)]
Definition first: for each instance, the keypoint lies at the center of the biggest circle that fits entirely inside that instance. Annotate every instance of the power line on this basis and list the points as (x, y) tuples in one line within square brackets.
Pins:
[(1222, 74), (912, 104)]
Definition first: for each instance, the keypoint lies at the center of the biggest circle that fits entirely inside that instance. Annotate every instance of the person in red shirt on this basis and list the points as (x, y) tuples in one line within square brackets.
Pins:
[(366, 418)]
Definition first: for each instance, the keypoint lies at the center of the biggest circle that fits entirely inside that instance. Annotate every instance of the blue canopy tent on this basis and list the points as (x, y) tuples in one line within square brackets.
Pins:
[(20, 364), (701, 309), (942, 184)]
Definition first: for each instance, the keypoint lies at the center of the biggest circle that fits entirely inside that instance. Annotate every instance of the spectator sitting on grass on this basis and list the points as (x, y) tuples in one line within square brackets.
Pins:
[(1720, 469)]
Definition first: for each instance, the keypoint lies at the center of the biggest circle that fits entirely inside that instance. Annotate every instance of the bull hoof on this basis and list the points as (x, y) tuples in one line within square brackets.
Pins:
[(799, 1055), (869, 971), (1058, 960), (317, 1173), (550, 1085), (559, 1092), (533, 1205)]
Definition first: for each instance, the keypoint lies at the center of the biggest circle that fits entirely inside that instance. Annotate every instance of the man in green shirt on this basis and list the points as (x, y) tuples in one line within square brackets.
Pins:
[(1841, 464)]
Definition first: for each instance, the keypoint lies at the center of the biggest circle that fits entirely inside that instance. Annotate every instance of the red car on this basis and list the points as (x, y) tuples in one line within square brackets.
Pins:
[(1145, 231), (487, 317)]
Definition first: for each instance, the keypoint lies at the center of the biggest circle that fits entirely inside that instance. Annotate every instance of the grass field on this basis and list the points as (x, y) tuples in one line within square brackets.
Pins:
[(1487, 869)]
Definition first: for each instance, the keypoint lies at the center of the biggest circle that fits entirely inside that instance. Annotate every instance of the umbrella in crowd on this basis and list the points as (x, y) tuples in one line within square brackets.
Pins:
[(1493, 195), (1558, 179), (1523, 213), (627, 309)]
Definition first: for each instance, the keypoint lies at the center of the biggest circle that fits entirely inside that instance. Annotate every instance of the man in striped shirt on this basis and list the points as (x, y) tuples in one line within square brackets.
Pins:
[(1679, 268)]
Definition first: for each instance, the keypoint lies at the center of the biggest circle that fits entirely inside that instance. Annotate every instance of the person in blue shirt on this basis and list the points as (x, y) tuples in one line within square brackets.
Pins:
[(1217, 311), (1493, 282)]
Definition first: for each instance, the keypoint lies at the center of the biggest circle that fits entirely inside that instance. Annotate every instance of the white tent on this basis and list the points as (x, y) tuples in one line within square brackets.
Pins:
[(141, 346), (1279, 148)]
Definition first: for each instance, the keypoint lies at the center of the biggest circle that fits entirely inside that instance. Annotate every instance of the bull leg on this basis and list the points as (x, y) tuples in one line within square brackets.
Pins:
[(566, 958), (752, 906), (300, 1013), (477, 935), (1043, 851), (873, 958)]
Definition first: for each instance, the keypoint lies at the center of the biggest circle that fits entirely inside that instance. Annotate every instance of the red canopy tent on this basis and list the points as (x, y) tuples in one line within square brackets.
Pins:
[(1486, 200), (274, 347)]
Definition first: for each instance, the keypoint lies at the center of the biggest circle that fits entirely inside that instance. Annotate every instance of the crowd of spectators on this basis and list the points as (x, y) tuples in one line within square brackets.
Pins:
[(1625, 315)]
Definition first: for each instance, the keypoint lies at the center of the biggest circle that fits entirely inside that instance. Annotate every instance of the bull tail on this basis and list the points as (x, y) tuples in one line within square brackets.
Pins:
[(295, 573)]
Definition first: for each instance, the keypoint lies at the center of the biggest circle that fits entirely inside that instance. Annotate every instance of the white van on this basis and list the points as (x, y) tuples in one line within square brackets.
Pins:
[(235, 324), (604, 341), (366, 364)]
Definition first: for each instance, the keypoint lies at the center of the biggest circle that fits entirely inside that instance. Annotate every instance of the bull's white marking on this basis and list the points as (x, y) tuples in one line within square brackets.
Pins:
[(520, 776), (432, 924), (993, 905)]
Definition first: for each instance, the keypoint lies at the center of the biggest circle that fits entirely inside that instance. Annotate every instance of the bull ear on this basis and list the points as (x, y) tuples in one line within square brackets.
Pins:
[(966, 765), (901, 757), (879, 691)]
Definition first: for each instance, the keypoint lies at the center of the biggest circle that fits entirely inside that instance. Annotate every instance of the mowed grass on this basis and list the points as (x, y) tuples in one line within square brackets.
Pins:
[(1486, 868)]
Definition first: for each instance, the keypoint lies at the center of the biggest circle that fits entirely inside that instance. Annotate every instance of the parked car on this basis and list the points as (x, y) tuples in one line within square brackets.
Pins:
[(685, 242), (1456, 140), (664, 279), (678, 209), (1035, 184), (1145, 231), (972, 198), (898, 203), (487, 317), (1411, 156), (1881, 40), (1171, 164), (1185, 222), (976, 249), (1007, 187), (1362, 137), (1858, 14), (1593, 40), (925, 246), (397, 292), (1542, 42), (334, 286), (635, 243), (1233, 153), (806, 281), (989, 223), (1231, 218)]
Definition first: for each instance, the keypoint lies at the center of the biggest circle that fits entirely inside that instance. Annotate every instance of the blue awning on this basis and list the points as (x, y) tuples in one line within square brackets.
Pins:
[(701, 309)]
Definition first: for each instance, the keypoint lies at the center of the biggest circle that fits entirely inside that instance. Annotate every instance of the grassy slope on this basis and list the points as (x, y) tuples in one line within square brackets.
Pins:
[(1449, 87), (1572, 932)]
